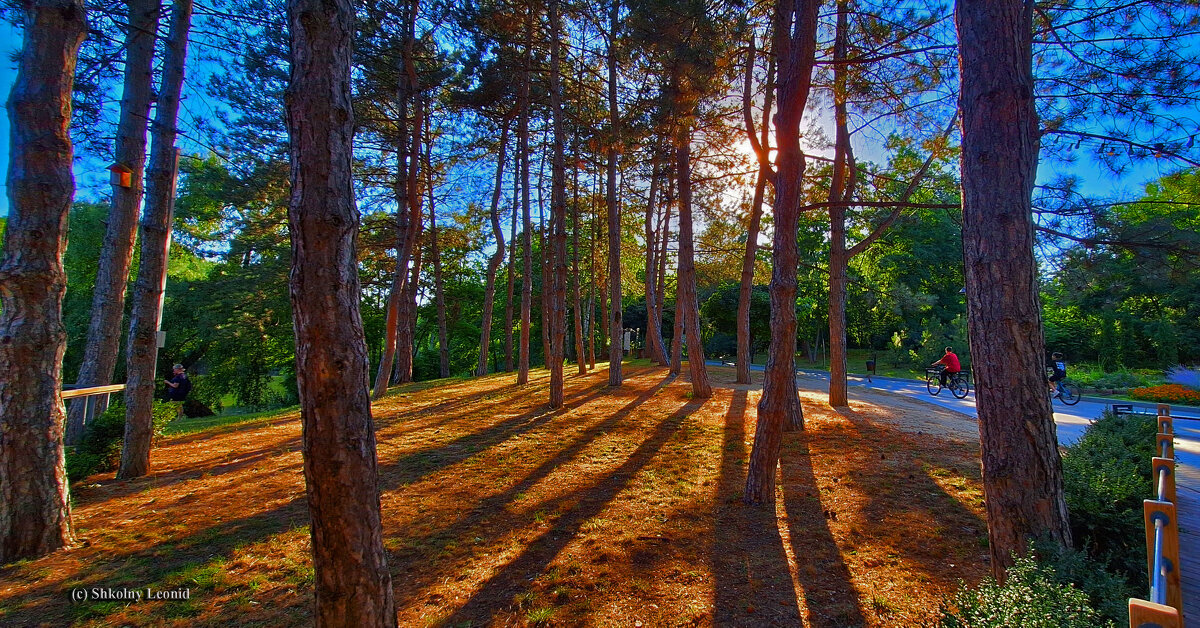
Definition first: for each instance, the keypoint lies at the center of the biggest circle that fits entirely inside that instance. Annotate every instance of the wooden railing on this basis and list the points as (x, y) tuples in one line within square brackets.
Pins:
[(91, 397), (1164, 609)]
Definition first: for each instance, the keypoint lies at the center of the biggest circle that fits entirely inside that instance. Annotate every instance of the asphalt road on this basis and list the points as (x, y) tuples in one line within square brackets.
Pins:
[(1071, 421)]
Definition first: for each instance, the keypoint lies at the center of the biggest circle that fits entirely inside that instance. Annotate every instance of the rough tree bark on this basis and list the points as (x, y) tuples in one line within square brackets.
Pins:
[(141, 347), (615, 324), (352, 582), (526, 219), (511, 278), (795, 39), (1022, 470), (662, 251), (439, 292), (489, 292), (408, 205), (407, 319), (840, 191), (677, 341), (35, 511), (687, 304), (558, 218), (116, 254), (654, 340), (580, 350), (761, 150)]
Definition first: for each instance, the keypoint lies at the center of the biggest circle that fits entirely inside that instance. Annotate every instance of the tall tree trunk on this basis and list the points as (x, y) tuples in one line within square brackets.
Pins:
[(745, 353), (654, 340), (526, 220), (406, 312), (662, 251), (544, 253), (615, 324), (404, 245), (512, 269), (686, 300), (35, 511), (112, 274), (839, 193), (408, 197), (580, 350), (591, 328), (1022, 470), (142, 345), (406, 334), (677, 339), (439, 291), (779, 409), (352, 582), (489, 292), (558, 217)]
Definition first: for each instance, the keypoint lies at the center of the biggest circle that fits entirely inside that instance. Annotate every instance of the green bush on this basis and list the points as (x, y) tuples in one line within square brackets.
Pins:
[(206, 391), (100, 448), (1106, 475), (1032, 596), (1093, 376), (1107, 592)]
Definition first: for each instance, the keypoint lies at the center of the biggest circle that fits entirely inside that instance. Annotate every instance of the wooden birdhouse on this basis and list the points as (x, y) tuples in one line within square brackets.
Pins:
[(121, 175)]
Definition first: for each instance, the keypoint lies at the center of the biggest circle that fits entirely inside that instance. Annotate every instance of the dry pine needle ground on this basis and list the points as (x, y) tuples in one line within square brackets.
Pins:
[(624, 508)]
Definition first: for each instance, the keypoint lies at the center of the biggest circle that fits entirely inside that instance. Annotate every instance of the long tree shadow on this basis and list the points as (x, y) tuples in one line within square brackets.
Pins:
[(231, 462), (753, 583), (914, 493), (412, 467), (497, 590), (466, 524), (145, 564), (829, 592)]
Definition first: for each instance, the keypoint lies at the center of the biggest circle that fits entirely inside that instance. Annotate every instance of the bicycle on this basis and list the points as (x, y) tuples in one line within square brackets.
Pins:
[(959, 383), (1064, 391)]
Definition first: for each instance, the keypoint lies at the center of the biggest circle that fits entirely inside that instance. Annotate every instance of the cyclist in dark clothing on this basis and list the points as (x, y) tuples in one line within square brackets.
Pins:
[(178, 386), (950, 361), (1060, 372)]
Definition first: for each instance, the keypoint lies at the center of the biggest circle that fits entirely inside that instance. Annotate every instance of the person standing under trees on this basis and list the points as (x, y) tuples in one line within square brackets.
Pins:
[(950, 361), (179, 385)]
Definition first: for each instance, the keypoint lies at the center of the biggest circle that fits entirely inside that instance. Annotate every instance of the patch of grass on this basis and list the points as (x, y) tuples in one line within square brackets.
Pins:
[(540, 616), (181, 609), (185, 425), (881, 606), (210, 576), (525, 599)]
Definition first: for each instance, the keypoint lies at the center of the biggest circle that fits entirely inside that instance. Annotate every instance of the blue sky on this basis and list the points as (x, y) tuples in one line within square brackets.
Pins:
[(10, 41), (1096, 182)]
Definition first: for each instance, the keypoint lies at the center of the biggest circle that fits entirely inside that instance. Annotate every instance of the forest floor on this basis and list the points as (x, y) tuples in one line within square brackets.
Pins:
[(622, 509)]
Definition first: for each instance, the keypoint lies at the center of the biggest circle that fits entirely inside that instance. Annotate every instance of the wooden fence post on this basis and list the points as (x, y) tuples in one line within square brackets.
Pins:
[(1162, 510), (1143, 614)]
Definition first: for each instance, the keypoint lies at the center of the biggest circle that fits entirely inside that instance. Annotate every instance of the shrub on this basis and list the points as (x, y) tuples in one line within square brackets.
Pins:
[(1120, 379), (1107, 592), (1184, 376), (1106, 475), (1093, 376), (207, 392), (1167, 393), (100, 448), (195, 409), (1032, 596)]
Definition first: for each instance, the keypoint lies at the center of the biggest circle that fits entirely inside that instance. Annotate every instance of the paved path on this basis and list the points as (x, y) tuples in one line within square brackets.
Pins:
[(1071, 422)]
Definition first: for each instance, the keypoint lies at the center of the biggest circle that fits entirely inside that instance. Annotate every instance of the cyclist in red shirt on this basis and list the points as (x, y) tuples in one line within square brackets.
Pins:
[(950, 361)]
